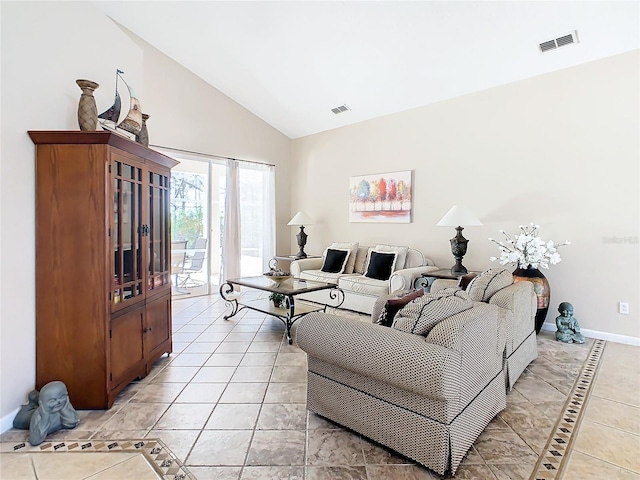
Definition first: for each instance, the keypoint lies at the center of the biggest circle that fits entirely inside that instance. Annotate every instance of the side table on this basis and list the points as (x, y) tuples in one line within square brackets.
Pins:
[(426, 279)]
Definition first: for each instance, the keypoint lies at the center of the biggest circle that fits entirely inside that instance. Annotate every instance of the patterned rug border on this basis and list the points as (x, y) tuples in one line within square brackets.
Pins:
[(159, 456), (554, 458)]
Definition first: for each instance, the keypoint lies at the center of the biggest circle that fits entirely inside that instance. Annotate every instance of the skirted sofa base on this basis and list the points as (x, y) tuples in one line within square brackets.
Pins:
[(438, 445), (427, 398)]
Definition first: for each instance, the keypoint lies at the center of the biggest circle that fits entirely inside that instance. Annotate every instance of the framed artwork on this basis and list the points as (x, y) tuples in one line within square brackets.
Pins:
[(382, 197)]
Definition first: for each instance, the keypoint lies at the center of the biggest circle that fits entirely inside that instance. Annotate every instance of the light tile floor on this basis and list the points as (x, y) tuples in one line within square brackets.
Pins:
[(230, 403)]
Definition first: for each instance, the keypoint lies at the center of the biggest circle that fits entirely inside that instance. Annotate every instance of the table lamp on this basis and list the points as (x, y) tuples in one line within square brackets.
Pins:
[(301, 219), (457, 217)]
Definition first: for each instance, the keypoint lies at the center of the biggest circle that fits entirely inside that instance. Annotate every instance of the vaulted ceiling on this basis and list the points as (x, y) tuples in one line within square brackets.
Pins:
[(290, 63)]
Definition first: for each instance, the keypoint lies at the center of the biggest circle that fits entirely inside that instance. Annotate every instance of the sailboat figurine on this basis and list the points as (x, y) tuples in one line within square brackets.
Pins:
[(112, 115), (133, 121), (132, 124)]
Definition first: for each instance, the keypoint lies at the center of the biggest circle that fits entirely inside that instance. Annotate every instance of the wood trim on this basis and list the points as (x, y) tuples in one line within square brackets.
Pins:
[(64, 137)]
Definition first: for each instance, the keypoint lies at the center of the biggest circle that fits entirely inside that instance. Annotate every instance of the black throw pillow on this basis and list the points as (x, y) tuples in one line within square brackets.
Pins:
[(335, 261), (380, 265)]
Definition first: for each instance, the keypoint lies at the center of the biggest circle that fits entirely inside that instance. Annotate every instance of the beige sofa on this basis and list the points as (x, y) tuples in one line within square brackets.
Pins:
[(426, 397), (361, 292)]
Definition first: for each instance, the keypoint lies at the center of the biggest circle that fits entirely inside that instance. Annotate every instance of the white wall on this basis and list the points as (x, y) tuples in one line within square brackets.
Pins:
[(188, 114), (46, 46), (560, 150)]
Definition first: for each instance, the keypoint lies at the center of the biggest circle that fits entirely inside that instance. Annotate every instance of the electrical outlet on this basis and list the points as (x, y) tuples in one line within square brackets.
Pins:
[(623, 308)]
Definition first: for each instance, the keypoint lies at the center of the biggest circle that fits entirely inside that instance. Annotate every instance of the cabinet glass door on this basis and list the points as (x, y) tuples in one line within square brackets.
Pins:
[(158, 231), (126, 234)]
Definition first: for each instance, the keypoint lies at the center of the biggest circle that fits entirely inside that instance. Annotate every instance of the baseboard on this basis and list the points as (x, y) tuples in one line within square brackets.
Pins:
[(6, 422), (611, 337)]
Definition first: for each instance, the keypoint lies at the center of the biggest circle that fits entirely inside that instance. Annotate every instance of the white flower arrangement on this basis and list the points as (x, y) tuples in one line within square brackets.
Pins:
[(527, 249)]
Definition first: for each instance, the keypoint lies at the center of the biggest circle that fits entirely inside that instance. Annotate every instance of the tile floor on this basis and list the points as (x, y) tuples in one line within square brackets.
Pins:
[(230, 403)]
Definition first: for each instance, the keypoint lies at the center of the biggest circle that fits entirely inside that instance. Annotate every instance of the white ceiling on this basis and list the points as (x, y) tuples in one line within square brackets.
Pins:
[(291, 62)]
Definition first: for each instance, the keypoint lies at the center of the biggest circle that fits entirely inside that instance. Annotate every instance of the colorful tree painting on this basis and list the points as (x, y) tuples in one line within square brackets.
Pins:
[(381, 198)]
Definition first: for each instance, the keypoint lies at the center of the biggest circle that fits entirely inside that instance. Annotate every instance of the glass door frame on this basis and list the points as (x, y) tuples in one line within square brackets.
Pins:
[(214, 227)]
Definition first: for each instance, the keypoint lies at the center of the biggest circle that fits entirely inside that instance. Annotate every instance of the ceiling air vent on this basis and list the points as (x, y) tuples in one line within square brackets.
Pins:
[(340, 109), (567, 39)]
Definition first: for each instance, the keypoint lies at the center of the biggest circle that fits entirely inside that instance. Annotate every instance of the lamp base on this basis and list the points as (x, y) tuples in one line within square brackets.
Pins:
[(459, 269), (458, 249), (302, 241)]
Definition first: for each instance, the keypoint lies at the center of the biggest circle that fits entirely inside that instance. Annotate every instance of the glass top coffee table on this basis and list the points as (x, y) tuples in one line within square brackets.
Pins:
[(289, 287)]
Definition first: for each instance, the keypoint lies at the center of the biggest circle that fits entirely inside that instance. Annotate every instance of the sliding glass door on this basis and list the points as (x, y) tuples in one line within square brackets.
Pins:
[(198, 189)]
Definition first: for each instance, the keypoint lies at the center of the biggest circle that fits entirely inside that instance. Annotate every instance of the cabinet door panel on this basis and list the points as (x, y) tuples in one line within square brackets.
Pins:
[(159, 230), (126, 347), (126, 231), (157, 328)]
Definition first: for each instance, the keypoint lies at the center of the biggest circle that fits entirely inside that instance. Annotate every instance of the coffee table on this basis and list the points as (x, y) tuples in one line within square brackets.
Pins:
[(289, 287)]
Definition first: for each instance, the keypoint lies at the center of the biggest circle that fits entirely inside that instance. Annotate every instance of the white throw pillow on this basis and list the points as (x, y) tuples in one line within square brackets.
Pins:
[(351, 259), (401, 254)]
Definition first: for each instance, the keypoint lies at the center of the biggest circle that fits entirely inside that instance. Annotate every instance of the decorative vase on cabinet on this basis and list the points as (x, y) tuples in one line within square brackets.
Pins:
[(87, 109), (143, 136), (103, 292), (541, 288)]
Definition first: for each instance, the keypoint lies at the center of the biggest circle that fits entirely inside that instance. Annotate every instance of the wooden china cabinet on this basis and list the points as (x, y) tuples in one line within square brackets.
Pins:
[(103, 291)]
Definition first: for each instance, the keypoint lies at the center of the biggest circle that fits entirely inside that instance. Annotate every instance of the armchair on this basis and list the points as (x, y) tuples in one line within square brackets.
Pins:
[(194, 263), (178, 257)]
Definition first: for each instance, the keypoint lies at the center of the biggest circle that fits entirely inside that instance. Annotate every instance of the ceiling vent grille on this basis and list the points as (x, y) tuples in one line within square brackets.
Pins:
[(340, 109), (567, 39)]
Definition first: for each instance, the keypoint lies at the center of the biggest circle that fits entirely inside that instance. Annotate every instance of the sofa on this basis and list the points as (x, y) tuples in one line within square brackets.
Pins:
[(518, 304), (428, 394), (361, 291)]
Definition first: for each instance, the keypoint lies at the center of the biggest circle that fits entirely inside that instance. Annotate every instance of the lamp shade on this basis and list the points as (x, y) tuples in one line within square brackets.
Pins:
[(459, 216), (301, 218)]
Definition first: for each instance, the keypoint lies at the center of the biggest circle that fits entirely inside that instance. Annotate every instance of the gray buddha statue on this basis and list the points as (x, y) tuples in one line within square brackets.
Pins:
[(47, 411), (568, 327)]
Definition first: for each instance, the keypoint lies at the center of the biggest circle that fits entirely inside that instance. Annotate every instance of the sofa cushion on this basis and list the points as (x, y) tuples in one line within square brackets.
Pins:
[(395, 303), (364, 285), (320, 276), (400, 251), (362, 256), (353, 251), (483, 286), (335, 260), (381, 265), (422, 314)]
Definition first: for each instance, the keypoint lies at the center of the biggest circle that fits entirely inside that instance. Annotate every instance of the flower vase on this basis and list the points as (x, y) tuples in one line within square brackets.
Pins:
[(540, 287), (143, 136), (87, 110)]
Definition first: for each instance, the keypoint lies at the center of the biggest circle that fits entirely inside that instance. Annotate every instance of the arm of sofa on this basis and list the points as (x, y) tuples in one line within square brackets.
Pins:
[(520, 299), (477, 334), (405, 278), (298, 266), (387, 355)]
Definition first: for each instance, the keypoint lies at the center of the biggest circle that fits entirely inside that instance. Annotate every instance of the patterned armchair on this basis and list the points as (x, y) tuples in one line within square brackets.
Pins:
[(426, 397)]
